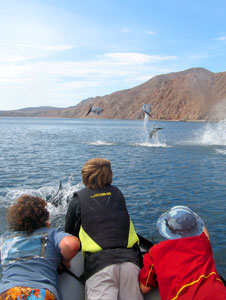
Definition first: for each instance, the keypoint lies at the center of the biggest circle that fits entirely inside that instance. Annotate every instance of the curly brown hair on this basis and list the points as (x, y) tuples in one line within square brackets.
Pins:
[(27, 214), (97, 173)]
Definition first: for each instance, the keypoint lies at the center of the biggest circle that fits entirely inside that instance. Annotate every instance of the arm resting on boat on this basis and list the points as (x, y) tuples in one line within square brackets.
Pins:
[(69, 246)]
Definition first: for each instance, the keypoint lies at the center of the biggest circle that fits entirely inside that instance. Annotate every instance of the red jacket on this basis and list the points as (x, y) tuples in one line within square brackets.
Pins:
[(183, 269)]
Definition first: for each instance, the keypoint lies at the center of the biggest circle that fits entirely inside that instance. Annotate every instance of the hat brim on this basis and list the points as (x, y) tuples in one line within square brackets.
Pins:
[(164, 230)]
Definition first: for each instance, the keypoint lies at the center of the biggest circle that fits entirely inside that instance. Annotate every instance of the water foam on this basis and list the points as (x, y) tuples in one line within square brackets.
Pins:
[(212, 134), (46, 192), (153, 145), (221, 151), (154, 141), (100, 143)]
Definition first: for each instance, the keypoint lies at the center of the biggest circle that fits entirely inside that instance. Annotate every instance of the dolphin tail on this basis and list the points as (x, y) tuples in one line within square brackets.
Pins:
[(88, 112), (148, 114)]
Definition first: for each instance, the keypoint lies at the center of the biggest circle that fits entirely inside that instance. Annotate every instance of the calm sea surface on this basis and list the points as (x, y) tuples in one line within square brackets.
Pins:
[(184, 164)]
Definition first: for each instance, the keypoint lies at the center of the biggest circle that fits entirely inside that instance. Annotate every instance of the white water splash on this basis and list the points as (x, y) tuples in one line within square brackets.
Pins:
[(155, 141), (221, 151), (65, 195), (100, 143), (145, 128), (153, 145), (46, 192), (212, 134)]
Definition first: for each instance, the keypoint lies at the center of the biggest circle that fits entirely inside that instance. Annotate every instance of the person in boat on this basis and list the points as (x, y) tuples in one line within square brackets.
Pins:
[(99, 216), (182, 266), (31, 252)]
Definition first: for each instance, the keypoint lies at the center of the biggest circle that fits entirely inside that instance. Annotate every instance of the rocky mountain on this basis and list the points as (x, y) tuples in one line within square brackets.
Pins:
[(191, 95)]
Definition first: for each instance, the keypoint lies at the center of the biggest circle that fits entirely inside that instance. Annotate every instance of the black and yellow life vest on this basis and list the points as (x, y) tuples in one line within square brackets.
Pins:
[(105, 222)]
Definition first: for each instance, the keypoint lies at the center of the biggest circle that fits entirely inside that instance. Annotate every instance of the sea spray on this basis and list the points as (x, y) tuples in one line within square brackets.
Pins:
[(212, 134), (145, 129), (46, 192), (154, 141)]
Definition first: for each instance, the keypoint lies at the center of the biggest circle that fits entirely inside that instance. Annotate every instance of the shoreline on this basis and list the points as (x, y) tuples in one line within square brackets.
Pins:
[(156, 120)]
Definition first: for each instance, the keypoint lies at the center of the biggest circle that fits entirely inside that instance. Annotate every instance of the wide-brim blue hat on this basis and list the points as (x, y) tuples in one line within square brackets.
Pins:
[(179, 222)]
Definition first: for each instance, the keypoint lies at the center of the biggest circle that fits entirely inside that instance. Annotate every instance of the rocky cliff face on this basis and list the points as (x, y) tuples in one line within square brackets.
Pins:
[(191, 95)]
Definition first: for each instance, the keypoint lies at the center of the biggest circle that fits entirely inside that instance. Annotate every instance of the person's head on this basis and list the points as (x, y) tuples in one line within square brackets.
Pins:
[(179, 222), (27, 214), (97, 173)]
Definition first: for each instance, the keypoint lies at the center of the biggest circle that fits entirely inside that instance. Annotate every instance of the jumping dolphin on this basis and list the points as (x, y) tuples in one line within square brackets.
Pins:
[(154, 130), (95, 109), (147, 109), (57, 199)]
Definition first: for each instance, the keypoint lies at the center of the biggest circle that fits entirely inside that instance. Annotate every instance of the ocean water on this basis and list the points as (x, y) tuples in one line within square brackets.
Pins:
[(183, 164)]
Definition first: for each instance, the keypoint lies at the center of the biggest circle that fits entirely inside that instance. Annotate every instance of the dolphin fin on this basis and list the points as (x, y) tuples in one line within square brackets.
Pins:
[(56, 199)]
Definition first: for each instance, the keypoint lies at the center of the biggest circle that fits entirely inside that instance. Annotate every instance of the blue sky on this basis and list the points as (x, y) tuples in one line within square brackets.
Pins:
[(58, 53)]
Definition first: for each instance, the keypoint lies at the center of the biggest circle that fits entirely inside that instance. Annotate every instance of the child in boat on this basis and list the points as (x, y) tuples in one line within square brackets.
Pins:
[(182, 266), (31, 252), (99, 216)]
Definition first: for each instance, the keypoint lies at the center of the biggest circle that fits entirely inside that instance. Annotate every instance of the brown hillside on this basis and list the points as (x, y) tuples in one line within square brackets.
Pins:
[(194, 94)]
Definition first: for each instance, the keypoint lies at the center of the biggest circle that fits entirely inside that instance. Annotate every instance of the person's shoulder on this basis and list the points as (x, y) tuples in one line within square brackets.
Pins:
[(4, 237), (5, 234), (52, 232), (57, 230), (75, 196), (9, 234), (165, 244), (75, 200), (204, 238), (115, 188), (56, 234)]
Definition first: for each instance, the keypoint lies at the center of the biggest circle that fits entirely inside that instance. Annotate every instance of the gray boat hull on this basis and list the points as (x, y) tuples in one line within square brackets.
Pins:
[(72, 288)]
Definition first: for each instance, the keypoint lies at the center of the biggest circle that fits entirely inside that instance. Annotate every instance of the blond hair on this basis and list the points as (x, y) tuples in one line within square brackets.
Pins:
[(97, 173)]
